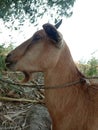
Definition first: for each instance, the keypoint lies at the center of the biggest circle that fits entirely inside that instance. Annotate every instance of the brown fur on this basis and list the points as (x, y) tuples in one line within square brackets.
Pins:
[(71, 108)]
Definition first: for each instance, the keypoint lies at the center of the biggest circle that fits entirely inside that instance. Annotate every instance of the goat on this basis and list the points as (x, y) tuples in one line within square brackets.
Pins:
[(72, 107)]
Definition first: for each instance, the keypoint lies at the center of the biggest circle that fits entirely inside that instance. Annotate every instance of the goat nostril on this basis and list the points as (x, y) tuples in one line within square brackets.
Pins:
[(7, 59), (8, 55)]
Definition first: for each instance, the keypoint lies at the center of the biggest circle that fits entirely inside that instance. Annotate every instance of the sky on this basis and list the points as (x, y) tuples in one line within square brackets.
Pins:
[(79, 31)]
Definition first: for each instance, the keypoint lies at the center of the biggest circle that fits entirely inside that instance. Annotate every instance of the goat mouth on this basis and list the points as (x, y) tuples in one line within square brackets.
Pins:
[(10, 65)]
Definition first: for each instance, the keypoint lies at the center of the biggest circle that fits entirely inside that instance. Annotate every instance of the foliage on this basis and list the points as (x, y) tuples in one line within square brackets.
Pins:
[(90, 68), (33, 9), (93, 67), (3, 51)]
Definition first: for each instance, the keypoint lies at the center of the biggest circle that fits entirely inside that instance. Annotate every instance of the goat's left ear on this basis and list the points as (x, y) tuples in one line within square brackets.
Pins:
[(53, 34)]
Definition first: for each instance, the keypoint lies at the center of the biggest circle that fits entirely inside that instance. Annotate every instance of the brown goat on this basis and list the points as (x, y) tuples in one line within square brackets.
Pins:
[(73, 107)]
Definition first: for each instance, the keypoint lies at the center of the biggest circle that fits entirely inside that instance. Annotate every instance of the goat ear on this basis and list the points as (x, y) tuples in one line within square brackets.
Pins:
[(53, 34)]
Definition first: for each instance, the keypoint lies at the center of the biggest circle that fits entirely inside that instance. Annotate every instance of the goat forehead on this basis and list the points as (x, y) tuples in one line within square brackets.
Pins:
[(40, 33)]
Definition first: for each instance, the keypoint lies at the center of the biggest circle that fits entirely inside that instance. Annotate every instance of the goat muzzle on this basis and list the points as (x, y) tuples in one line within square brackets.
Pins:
[(9, 62)]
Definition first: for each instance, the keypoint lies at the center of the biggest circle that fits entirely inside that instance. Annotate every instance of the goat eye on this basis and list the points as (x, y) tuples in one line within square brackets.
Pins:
[(36, 37)]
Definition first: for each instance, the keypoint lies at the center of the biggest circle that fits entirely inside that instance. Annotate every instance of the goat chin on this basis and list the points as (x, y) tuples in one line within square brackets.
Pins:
[(27, 77)]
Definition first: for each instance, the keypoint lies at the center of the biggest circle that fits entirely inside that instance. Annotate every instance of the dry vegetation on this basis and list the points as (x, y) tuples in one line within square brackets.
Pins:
[(22, 108)]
